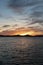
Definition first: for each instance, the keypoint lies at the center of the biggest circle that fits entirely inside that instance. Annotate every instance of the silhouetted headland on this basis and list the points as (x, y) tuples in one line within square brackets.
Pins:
[(21, 36)]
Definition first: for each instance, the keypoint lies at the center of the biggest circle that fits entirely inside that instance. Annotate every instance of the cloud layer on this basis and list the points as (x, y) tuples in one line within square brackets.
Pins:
[(22, 31), (34, 6)]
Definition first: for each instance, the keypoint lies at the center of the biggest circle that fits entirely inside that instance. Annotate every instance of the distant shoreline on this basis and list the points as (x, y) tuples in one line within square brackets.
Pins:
[(20, 36)]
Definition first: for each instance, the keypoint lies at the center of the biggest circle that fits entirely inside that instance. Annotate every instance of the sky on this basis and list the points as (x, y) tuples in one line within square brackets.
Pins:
[(21, 17)]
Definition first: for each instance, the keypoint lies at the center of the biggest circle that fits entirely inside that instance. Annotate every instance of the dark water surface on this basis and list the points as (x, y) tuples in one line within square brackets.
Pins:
[(21, 51)]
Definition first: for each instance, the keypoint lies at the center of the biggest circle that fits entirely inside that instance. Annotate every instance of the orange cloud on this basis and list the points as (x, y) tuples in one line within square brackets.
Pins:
[(21, 31)]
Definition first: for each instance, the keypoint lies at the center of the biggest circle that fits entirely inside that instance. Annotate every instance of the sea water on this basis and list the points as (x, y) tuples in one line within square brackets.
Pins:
[(21, 50)]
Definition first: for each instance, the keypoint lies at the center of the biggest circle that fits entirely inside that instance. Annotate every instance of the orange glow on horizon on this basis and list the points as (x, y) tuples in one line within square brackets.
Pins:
[(21, 32), (27, 33)]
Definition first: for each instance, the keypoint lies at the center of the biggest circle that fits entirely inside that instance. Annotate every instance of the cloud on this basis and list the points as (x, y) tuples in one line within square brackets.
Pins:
[(37, 14), (19, 5), (37, 21), (35, 6), (22, 30), (7, 32), (15, 4), (36, 29), (5, 26), (22, 3), (16, 25)]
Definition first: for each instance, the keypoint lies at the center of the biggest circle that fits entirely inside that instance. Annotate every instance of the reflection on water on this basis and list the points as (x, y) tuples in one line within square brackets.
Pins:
[(21, 51)]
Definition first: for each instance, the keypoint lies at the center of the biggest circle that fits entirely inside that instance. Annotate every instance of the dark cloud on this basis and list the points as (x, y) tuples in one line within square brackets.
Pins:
[(35, 29), (22, 3), (37, 14), (15, 25), (19, 5), (5, 26), (37, 21)]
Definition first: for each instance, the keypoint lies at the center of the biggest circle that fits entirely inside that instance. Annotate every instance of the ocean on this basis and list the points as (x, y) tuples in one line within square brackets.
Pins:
[(21, 50)]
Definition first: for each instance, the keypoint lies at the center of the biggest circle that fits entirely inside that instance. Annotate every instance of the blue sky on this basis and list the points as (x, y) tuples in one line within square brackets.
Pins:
[(27, 14)]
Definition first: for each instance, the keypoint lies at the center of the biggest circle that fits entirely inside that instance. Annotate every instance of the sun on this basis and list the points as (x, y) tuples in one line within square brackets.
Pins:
[(27, 33), (23, 34)]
